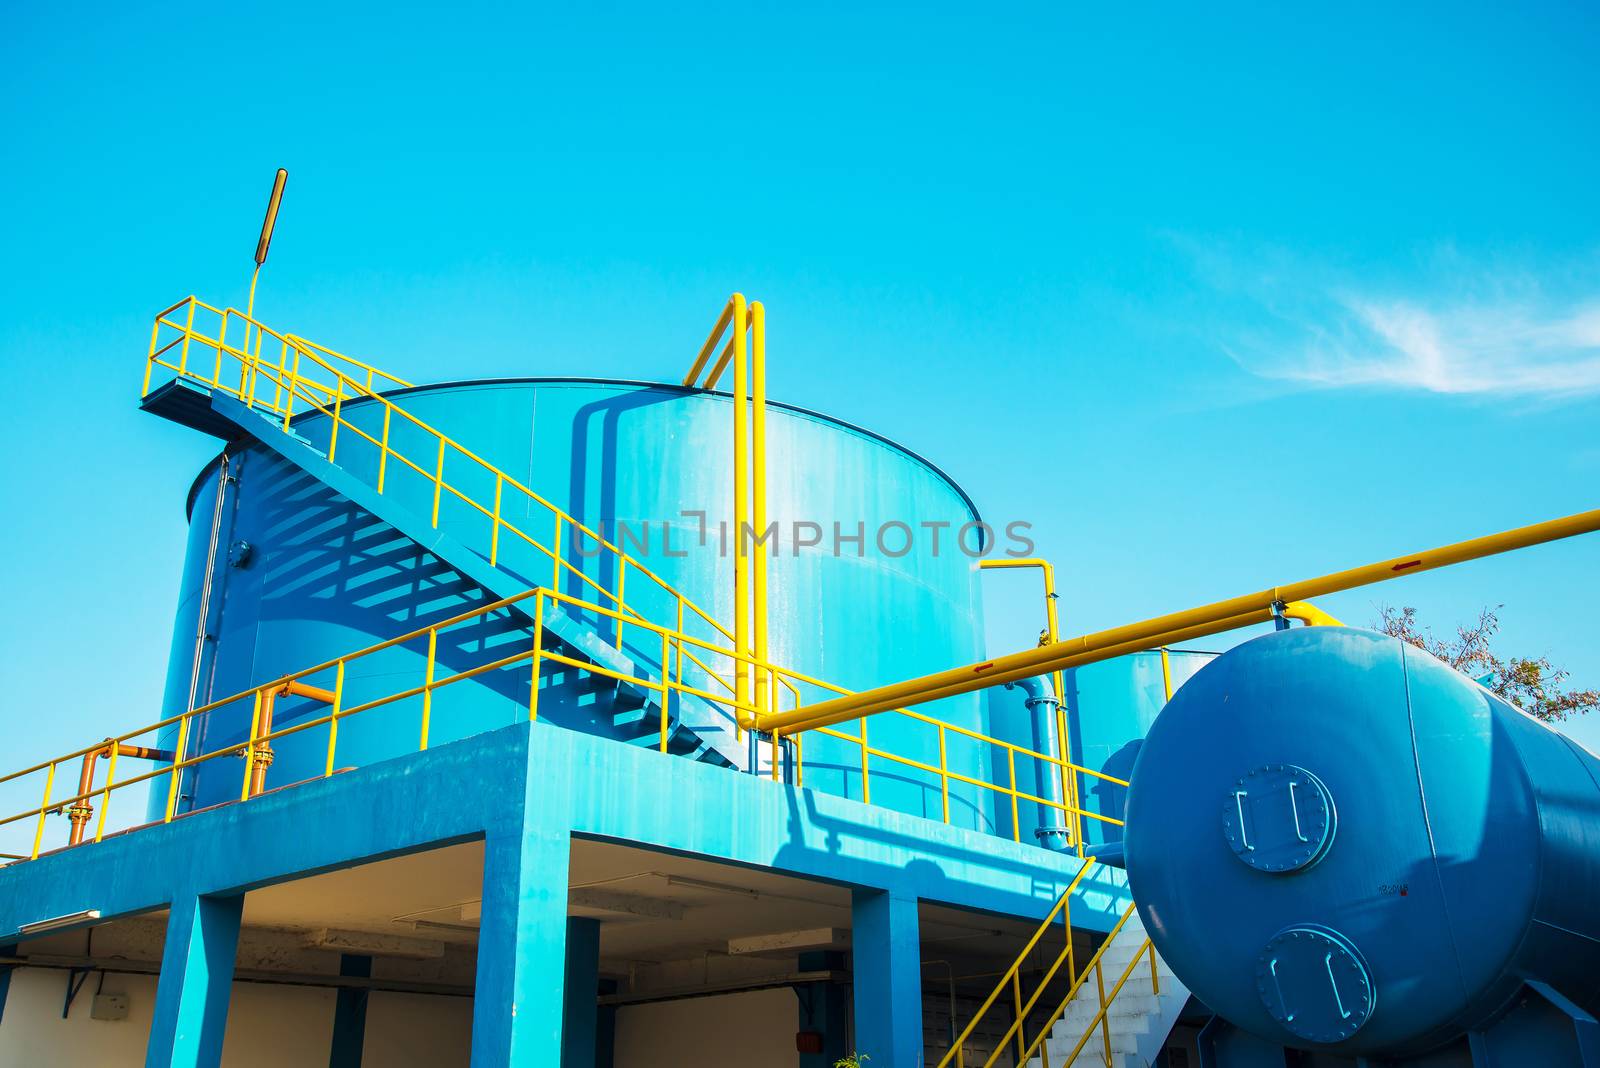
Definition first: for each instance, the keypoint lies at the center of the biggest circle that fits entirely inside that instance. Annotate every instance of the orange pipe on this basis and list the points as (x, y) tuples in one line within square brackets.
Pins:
[(269, 698), (81, 811)]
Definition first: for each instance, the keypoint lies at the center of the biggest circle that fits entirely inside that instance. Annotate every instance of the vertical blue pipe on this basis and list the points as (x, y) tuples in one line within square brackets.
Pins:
[(888, 977), (192, 994), (579, 1015), (350, 1014), (522, 946)]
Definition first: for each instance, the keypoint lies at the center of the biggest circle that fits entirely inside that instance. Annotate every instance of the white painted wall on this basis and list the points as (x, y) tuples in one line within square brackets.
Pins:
[(752, 1030), (416, 1031), (268, 1026)]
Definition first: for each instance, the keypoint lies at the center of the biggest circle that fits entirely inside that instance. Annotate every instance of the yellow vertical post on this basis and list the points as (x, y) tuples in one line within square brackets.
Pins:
[(944, 775), (758, 496), (1105, 1010), (866, 787), (538, 654), (622, 578), (250, 748), (1155, 972), (333, 717), (427, 687), (494, 533), (178, 750), (666, 677), (1166, 673), (438, 482), (105, 795), (383, 446), (333, 424), (555, 557), (188, 332), (1016, 992), (741, 503), (1016, 820), (44, 806), (150, 364)]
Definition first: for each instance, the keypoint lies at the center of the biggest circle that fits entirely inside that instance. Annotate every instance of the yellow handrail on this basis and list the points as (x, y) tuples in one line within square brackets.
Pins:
[(675, 647), (1012, 975), (312, 374), (1011, 978), (1052, 634)]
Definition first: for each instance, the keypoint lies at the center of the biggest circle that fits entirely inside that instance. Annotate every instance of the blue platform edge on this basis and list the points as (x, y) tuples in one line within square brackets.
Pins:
[(526, 791)]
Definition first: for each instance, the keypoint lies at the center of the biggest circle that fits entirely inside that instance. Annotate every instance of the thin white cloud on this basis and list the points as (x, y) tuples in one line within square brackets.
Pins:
[(1501, 348), (1455, 327)]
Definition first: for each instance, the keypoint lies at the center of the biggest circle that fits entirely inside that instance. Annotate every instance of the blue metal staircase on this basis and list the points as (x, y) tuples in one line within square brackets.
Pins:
[(696, 728)]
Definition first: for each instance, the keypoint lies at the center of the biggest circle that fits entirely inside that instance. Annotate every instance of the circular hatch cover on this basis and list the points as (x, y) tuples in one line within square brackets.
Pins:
[(1279, 818), (1314, 982)]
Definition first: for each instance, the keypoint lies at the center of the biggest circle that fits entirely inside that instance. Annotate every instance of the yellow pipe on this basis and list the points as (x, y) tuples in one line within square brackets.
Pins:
[(1169, 629), (1309, 614), (758, 500), (741, 498), (710, 345), (1069, 783)]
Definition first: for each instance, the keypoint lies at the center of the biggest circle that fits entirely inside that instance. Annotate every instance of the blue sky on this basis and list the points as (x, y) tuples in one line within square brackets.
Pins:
[(1214, 299)]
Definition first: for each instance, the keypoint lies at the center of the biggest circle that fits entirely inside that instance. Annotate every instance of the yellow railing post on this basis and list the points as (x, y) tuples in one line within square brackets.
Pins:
[(866, 787), (383, 445), (438, 483), (44, 808), (427, 687), (1016, 991), (758, 498), (178, 750), (105, 795), (666, 677), (250, 747), (944, 776), (333, 424), (1016, 818), (494, 522), (333, 717), (622, 577), (538, 654), (555, 557), (188, 332), (741, 500), (1105, 1015)]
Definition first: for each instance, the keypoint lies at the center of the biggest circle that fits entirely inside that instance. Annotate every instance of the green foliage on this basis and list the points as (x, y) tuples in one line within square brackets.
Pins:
[(1533, 684), (855, 1060)]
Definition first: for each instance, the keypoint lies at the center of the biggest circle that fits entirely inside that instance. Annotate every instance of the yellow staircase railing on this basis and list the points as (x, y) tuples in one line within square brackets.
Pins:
[(285, 375), (1011, 981), (1016, 1036), (333, 686)]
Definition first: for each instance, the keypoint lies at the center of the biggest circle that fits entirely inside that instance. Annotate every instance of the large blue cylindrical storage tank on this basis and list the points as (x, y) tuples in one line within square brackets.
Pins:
[(1339, 843), (299, 575)]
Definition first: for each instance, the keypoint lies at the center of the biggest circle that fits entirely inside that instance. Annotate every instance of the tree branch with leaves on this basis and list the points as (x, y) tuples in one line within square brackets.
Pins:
[(1533, 684)]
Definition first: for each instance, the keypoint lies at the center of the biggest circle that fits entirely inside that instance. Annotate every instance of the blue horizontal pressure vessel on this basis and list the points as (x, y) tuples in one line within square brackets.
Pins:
[(290, 573), (1341, 844)]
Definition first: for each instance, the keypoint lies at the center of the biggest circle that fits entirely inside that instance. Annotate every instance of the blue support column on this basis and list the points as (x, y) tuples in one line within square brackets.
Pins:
[(191, 1009), (350, 1014), (888, 978), (522, 945), (580, 1015), (5, 976)]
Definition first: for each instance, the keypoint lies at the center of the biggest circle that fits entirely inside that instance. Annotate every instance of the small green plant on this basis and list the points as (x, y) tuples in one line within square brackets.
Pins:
[(855, 1060)]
